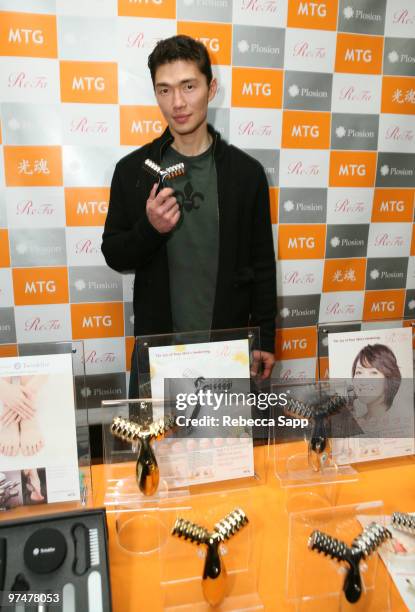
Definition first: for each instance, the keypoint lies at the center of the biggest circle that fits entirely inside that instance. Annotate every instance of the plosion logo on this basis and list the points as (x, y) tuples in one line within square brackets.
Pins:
[(307, 91), (204, 10), (302, 205), (296, 343), (256, 88), (140, 124), (359, 54), (33, 166), (344, 274), (317, 14), (356, 132), (86, 205), (394, 205), (31, 124), (28, 34), (40, 286), (7, 326), (94, 82), (98, 387), (303, 130), (303, 277), (388, 273), (395, 170), (410, 303), (95, 284), (299, 310), (217, 38), (270, 161), (346, 241), (362, 16), (161, 9), (384, 304), (128, 319), (264, 51), (399, 56), (352, 169), (37, 247), (301, 241), (97, 320)]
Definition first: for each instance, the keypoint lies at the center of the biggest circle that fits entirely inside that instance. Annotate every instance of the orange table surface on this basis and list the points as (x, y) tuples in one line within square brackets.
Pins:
[(135, 579)]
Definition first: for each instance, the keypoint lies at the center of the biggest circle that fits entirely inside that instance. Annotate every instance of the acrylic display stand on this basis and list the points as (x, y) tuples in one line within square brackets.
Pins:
[(182, 561), (76, 350), (314, 582)]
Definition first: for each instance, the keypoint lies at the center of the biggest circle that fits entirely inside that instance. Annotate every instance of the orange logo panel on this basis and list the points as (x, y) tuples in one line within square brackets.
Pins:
[(384, 304), (301, 241), (296, 343), (352, 168), (40, 286), (27, 34), (302, 130), (95, 82), (33, 166), (312, 14), (8, 350), (273, 201), (344, 275), (393, 205), (257, 88), (4, 249), (398, 95), (161, 9), (140, 124), (217, 38), (86, 205), (359, 54), (97, 320), (129, 345)]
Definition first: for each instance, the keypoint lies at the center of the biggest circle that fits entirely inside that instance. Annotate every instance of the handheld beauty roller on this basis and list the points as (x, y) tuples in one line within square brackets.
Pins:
[(214, 571), (362, 547), (404, 522), (163, 175), (317, 410), (147, 470)]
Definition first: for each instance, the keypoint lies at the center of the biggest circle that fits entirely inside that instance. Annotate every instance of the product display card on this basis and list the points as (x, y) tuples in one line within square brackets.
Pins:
[(399, 557), (38, 448), (375, 369), (201, 456)]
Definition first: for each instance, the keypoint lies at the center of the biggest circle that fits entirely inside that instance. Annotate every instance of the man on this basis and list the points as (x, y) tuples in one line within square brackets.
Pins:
[(202, 250)]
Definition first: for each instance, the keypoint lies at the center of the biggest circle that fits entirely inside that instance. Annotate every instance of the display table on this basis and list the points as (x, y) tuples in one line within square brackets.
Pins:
[(136, 578)]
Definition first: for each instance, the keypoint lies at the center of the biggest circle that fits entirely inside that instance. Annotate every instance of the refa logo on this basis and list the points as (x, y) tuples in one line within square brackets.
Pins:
[(352, 170), (135, 40), (397, 133), (305, 131), (383, 306), (358, 55), (387, 240), (312, 9), (36, 324), (28, 208), (26, 36), (97, 321), (210, 43), (40, 287), (260, 6), (353, 94), (84, 126), (299, 278), (392, 206), (289, 374), (340, 309), (301, 242), (300, 169), (88, 83), (404, 17), (91, 207), (21, 80), (294, 344), (304, 49), (94, 357), (250, 128), (86, 246), (146, 126), (145, 1), (345, 206), (256, 89)]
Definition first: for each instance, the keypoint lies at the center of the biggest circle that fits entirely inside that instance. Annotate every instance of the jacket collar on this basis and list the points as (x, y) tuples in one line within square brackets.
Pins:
[(160, 144)]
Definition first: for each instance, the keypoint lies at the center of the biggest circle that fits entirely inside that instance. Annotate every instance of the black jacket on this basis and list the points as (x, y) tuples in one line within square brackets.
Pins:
[(246, 282)]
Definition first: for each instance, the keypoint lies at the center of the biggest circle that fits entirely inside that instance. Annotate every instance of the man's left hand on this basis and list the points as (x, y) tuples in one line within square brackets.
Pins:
[(262, 362)]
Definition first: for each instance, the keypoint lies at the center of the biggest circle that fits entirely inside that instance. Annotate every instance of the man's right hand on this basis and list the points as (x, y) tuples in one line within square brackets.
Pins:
[(162, 210)]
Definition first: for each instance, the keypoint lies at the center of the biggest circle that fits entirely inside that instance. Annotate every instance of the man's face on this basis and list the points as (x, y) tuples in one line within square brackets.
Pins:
[(183, 95)]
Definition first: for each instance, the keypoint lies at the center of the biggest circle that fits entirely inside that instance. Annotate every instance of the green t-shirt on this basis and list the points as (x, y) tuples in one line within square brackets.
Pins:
[(193, 245)]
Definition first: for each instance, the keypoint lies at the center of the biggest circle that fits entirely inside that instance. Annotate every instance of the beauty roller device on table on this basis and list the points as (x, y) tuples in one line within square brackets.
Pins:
[(62, 557)]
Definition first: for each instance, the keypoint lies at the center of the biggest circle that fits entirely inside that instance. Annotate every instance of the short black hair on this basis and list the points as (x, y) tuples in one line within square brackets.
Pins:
[(180, 47)]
